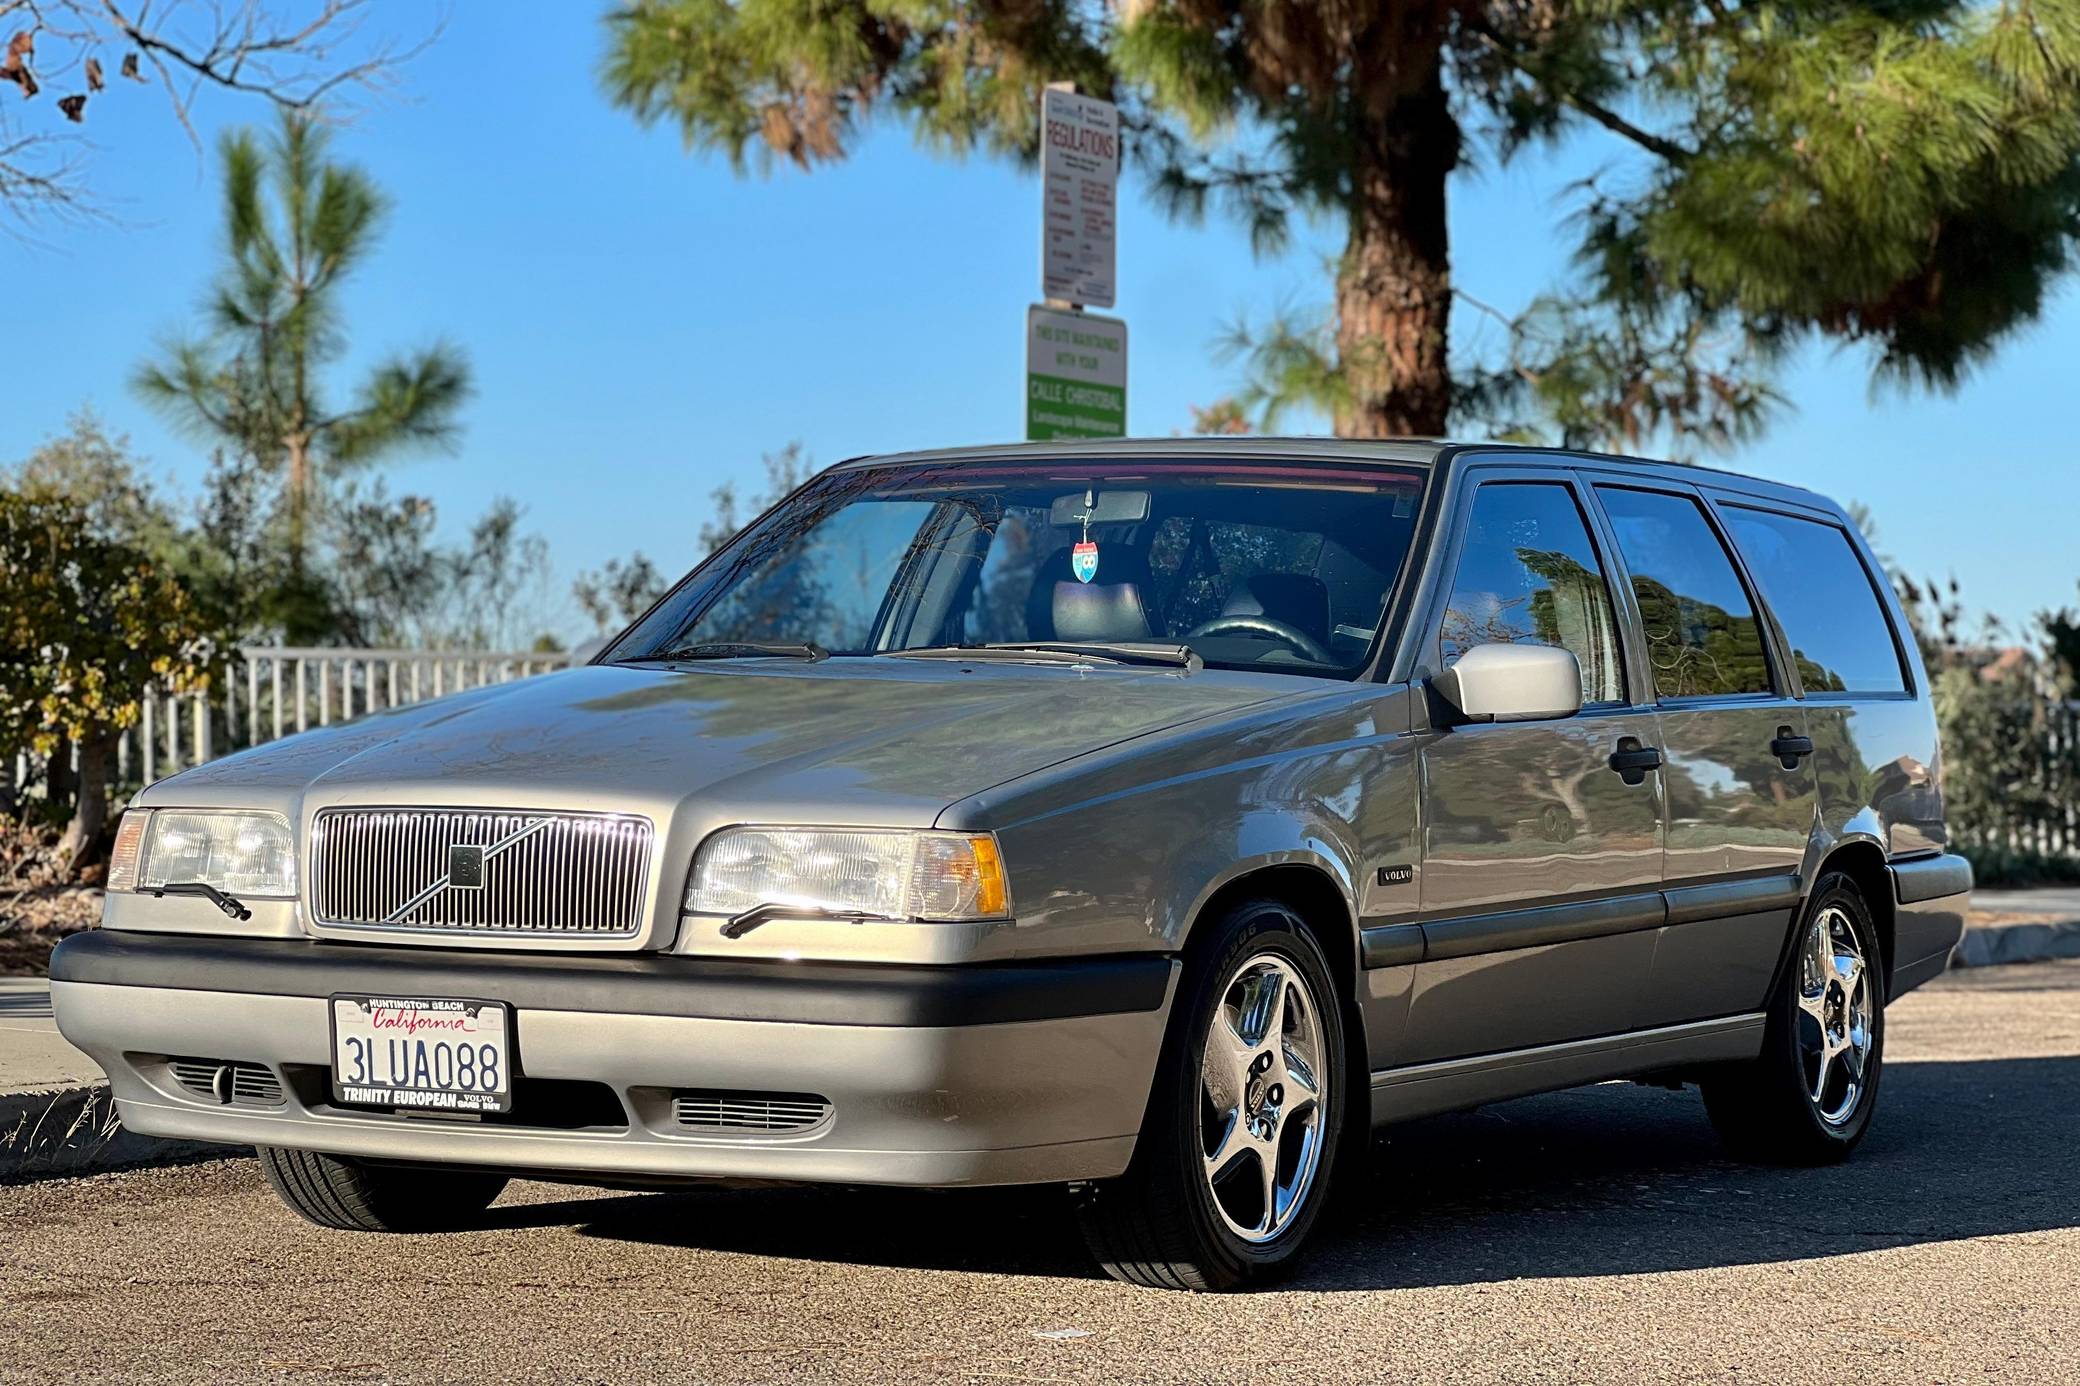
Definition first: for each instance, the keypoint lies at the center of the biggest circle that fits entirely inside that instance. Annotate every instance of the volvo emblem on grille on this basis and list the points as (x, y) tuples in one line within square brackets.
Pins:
[(465, 867)]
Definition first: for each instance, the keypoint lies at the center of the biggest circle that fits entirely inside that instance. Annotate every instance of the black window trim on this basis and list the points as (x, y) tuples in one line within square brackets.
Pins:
[(1776, 657), (1430, 649), (1906, 692)]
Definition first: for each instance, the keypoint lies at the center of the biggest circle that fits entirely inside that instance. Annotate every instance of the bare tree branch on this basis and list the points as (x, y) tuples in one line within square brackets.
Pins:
[(41, 173), (294, 54)]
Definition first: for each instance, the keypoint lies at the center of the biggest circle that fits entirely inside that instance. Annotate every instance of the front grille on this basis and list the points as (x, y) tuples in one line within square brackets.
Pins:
[(716, 1110), (240, 1085), (571, 874)]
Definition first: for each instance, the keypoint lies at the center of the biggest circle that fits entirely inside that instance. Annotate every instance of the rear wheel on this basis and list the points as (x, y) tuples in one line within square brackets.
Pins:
[(1234, 1159), (354, 1197), (1808, 1098)]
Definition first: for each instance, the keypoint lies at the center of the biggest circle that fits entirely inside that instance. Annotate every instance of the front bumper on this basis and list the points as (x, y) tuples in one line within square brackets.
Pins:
[(1002, 1074)]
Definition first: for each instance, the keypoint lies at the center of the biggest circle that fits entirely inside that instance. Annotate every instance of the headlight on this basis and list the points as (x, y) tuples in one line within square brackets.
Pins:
[(238, 853), (881, 873)]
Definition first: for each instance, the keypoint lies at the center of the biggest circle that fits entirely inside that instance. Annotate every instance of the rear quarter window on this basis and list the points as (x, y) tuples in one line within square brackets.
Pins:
[(1825, 599)]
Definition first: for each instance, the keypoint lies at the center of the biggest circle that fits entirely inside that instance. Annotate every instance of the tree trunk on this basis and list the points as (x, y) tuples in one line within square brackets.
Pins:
[(1394, 287), (57, 776), (298, 447), (90, 810)]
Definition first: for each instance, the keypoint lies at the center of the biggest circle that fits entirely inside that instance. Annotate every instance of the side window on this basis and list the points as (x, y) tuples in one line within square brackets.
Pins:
[(1702, 636), (1528, 575), (1822, 593)]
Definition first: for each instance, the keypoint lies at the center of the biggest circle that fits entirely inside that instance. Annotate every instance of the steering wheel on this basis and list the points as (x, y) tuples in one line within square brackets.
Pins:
[(1303, 644)]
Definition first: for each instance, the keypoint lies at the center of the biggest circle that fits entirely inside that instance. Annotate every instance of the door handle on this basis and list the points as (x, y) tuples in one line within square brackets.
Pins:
[(1790, 748), (1632, 761)]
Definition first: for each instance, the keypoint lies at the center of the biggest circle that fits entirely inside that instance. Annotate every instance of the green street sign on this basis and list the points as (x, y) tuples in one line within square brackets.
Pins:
[(1076, 375)]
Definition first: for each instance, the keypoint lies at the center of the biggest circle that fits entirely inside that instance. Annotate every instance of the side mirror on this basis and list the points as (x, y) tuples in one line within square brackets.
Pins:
[(1512, 683)]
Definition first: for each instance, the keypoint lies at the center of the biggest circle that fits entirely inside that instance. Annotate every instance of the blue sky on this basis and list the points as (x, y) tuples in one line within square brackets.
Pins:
[(643, 323)]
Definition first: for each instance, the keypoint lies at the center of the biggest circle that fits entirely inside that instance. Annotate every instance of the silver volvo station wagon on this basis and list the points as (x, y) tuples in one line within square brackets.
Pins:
[(1150, 818)]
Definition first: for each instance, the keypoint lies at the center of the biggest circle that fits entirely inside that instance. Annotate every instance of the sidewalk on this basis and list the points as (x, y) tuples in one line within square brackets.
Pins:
[(33, 1055), (2019, 926), (2058, 900)]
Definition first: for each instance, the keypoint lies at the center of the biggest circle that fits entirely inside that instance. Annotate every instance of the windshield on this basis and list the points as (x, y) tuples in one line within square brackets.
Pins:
[(1252, 565)]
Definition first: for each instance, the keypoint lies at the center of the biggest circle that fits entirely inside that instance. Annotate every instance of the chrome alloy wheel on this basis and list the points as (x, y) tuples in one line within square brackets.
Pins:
[(1835, 1016), (1261, 1083)]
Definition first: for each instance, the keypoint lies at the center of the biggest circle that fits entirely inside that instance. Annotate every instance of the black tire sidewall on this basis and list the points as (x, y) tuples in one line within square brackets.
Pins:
[(1255, 927)]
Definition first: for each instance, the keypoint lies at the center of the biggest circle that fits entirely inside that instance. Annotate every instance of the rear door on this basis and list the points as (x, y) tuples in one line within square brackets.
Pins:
[(1737, 755), (1852, 670), (1541, 863)]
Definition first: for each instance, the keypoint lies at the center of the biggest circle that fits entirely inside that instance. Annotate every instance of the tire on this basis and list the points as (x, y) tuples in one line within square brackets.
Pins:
[(349, 1196), (1822, 1034), (1167, 1223)]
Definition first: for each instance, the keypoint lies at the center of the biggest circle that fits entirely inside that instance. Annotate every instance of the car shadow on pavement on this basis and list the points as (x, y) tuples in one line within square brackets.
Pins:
[(1608, 1180), (1015, 1231), (1620, 1180)]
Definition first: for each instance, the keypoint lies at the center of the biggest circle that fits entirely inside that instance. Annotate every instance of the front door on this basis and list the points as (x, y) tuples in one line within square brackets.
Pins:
[(1738, 772), (1541, 858)]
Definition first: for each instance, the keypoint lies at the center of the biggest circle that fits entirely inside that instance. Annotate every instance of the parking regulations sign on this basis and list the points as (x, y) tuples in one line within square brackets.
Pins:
[(1076, 375), (1079, 193)]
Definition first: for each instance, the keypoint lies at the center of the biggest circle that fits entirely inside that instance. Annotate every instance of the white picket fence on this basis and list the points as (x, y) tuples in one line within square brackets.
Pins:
[(274, 691)]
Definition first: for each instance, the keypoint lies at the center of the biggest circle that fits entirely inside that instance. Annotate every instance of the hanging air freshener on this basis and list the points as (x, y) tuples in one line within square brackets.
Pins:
[(1083, 559)]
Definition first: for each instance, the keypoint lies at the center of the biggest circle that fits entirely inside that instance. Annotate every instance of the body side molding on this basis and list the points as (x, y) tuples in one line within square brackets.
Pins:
[(1455, 1084), (1399, 942)]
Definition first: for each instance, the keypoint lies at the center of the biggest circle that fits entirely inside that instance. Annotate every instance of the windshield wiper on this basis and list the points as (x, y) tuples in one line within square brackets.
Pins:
[(734, 649), (736, 926), (1065, 651), (232, 908)]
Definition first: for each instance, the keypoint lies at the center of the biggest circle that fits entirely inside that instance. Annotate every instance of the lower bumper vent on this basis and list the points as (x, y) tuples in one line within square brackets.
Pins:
[(713, 1109), (232, 1084)]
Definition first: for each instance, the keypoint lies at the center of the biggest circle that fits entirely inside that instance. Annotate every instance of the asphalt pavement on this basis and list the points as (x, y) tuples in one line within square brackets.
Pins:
[(1597, 1235)]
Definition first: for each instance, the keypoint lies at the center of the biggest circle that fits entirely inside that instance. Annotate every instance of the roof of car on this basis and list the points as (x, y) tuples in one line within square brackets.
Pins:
[(1404, 451)]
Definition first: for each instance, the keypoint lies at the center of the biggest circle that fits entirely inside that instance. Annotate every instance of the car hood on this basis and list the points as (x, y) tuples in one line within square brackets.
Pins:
[(860, 741)]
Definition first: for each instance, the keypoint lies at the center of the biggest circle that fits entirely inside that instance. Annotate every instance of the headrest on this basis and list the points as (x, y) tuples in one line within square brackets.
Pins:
[(1112, 606)]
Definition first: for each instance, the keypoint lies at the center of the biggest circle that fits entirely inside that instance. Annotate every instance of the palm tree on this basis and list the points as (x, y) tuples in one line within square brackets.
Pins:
[(296, 225)]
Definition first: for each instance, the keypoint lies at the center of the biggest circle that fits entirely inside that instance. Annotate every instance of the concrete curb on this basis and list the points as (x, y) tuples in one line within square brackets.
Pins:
[(1999, 945), (67, 1132)]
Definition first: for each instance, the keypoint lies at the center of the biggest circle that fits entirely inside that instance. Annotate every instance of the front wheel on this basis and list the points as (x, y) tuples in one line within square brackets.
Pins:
[(1807, 1099), (1234, 1158), (350, 1196)]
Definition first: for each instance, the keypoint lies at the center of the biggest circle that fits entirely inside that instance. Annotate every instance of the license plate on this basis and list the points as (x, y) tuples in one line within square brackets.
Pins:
[(422, 1053)]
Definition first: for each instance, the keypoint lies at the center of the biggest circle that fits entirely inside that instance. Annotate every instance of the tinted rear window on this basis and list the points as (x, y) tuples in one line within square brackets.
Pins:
[(1814, 580), (1702, 637)]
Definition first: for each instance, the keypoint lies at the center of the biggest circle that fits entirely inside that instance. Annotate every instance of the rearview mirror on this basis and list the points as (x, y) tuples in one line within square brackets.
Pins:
[(1104, 508), (1512, 683)]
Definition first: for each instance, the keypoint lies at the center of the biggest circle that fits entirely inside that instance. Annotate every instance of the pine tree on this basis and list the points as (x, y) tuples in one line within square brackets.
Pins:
[(1898, 173), (255, 385)]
